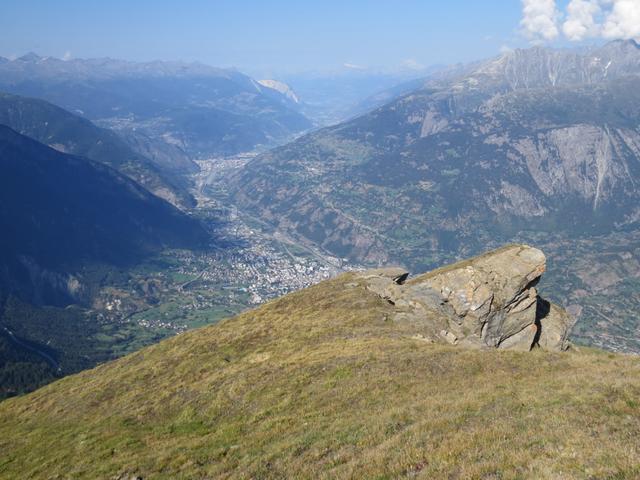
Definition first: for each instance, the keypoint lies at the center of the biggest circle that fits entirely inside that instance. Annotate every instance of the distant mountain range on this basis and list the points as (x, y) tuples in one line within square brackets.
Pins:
[(332, 97), (202, 110), (535, 144)]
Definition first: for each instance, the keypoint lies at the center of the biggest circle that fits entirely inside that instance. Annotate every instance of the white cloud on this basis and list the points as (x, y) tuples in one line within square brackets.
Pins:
[(66, 56), (623, 21), (611, 19), (540, 19), (581, 19)]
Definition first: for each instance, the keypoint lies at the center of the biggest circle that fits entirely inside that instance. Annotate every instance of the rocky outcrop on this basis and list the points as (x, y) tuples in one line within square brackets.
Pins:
[(488, 301), (555, 324)]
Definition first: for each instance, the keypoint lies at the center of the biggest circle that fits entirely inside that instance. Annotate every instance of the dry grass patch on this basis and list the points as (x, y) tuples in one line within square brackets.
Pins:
[(320, 384)]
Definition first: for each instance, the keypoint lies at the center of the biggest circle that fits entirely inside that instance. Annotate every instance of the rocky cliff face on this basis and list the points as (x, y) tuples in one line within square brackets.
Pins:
[(540, 67), (487, 301)]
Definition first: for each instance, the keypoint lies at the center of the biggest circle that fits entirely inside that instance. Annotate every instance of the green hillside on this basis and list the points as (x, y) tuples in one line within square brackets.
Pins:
[(324, 383)]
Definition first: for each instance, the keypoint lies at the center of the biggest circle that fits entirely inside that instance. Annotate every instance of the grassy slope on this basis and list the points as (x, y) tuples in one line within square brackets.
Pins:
[(319, 384)]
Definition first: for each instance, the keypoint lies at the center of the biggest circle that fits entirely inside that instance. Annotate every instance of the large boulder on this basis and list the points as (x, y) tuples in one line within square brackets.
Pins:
[(487, 301)]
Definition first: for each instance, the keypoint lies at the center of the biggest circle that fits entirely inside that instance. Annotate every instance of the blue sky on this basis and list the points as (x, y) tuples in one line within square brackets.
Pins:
[(280, 35)]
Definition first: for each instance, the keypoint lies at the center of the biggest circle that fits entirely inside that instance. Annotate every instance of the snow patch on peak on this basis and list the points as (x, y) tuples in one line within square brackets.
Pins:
[(281, 87)]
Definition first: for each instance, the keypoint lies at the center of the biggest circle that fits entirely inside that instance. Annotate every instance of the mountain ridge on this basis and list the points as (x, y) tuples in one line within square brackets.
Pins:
[(205, 111)]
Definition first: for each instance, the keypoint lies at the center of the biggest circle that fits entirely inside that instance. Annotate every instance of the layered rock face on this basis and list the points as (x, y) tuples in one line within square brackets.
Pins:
[(488, 301)]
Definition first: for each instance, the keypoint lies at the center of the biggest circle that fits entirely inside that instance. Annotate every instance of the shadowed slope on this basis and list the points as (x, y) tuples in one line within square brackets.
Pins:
[(58, 211), (75, 135)]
